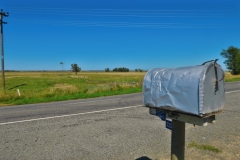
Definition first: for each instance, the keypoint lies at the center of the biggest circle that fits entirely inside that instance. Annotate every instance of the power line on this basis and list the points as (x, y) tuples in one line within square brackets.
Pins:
[(119, 10), (149, 15), (122, 13), (128, 13), (124, 24)]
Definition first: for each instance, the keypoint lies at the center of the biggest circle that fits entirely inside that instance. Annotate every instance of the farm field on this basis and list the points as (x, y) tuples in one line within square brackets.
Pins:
[(37, 87), (231, 78)]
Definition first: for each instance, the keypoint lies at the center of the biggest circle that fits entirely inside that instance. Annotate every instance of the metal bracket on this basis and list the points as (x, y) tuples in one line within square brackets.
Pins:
[(187, 118)]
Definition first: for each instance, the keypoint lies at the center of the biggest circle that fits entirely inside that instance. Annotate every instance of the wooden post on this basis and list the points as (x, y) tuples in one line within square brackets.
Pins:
[(178, 140), (2, 14), (2, 50)]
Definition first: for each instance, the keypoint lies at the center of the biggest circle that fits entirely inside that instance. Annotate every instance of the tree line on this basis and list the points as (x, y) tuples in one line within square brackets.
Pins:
[(232, 62), (75, 68), (232, 55), (122, 69)]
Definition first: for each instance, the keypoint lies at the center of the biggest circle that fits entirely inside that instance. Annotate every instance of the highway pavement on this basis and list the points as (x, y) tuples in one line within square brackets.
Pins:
[(43, 110), (232, 86), (115, 127)]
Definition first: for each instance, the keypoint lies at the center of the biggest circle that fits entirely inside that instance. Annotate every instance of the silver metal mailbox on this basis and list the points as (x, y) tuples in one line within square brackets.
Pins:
[(197, 90)]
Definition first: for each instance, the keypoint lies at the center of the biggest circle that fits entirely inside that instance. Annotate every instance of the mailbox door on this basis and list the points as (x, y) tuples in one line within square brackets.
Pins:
[(213, 90)]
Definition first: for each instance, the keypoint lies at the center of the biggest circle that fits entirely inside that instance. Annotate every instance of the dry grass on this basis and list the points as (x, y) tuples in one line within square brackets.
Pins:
[(229, 77), (64, 87)]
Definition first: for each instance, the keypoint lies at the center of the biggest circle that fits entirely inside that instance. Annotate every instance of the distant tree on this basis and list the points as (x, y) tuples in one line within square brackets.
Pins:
[(75, 68), (107, 70), (138, 70), (115, 70), (123, 69), (232, 55)]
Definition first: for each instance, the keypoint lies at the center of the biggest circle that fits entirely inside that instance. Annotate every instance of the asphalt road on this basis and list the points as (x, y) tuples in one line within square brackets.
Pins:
[(232, 86), (44, 110), (114, 127)]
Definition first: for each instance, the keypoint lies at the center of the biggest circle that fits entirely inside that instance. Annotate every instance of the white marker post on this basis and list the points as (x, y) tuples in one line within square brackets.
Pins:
[(19, 94)]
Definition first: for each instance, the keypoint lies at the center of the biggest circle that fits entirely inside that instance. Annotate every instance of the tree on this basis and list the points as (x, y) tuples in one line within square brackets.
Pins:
[(107, 70), (115, 70), (138, 70), (232, 55), (123, 69), (75, 68)]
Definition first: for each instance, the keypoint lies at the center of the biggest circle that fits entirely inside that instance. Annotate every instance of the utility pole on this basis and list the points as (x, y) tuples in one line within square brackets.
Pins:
[(2, 14)]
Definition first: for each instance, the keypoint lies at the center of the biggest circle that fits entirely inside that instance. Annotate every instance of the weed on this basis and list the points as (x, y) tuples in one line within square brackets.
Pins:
[(204, 147)]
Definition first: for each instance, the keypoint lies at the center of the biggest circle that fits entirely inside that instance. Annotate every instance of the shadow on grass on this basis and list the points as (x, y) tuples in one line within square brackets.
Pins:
[(17, 86)]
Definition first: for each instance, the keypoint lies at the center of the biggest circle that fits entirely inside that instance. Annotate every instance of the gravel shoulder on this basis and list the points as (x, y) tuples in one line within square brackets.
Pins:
[(224, 134)]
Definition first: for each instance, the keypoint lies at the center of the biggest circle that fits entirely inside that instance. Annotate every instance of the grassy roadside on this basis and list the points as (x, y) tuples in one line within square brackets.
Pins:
[(231, 78), (37, 87)]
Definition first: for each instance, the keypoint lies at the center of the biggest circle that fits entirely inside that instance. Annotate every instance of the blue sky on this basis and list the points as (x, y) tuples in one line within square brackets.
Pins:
[(97, 34)]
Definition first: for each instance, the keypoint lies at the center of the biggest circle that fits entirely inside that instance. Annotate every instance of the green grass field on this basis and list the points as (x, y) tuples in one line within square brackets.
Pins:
[(37, 87)]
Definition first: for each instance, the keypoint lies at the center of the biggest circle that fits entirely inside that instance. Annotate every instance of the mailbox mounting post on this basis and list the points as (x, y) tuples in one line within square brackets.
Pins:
[(178, 140), (178, 128)]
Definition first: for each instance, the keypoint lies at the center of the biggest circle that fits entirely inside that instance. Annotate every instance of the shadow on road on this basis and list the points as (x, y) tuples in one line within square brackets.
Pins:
[(143, 158)]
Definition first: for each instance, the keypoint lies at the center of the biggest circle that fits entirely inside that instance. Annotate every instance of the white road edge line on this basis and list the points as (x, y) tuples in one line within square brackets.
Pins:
[(69, 115), (233, 91)]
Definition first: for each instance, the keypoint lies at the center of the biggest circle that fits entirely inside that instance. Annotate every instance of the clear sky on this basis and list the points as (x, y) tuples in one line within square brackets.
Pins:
[(97, 34)]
